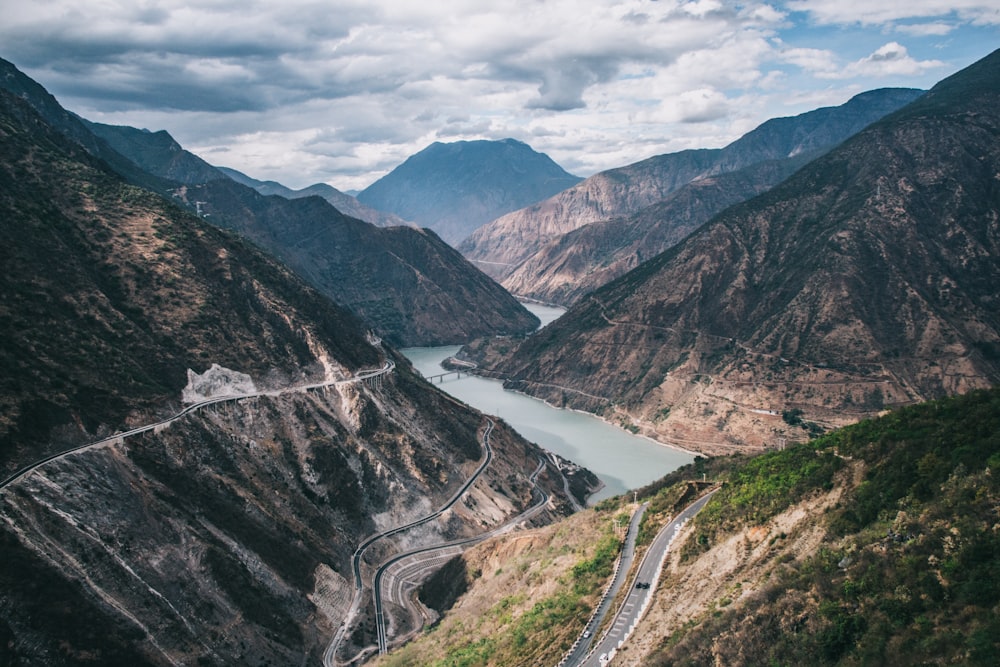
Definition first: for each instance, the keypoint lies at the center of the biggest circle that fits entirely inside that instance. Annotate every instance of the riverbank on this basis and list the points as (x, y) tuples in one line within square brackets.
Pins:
[(622, 460)]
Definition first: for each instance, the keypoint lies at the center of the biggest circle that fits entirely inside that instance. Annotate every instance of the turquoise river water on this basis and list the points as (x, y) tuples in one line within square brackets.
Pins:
[(623, 461)]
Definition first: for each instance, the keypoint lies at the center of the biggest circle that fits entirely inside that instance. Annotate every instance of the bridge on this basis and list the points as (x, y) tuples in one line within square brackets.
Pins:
[(441, 376), (468, 366)]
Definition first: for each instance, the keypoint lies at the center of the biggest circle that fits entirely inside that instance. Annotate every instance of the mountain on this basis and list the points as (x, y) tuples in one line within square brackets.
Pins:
[(578, 262), (344, 203), (872, 545), (411, 287), (865, 280), (456, 187), (225, 535), (501, 247), (157, 153)]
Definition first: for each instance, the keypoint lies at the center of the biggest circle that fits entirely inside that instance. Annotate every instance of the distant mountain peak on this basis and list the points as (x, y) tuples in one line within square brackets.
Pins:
[(453, 188)]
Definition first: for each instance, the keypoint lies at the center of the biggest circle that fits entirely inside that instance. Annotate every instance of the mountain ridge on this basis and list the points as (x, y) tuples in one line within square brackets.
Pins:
[(380, 284), (503, 246), (228, 535), (343, 202), (860, 282)]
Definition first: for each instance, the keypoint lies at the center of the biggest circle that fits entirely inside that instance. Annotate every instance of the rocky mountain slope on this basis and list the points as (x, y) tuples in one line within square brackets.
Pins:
[(501, 247), (578, 262), (411, 287), (872, 545), (867, 279), (341, 201), (454, 188), (226, 536)]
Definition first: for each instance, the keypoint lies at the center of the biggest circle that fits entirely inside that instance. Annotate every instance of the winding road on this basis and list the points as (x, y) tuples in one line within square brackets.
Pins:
[(638, 599), (329, 655), (118, 437), (413, 566)]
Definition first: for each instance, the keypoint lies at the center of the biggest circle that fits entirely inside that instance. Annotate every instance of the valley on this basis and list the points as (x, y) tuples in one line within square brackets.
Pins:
[(759, 422), (621, 460)]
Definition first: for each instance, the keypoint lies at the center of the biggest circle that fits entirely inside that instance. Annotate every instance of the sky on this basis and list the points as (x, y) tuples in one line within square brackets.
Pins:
[(343, 91)]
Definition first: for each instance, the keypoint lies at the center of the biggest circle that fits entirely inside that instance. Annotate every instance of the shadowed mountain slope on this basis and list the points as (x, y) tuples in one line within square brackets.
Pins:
[(227, 536), (415, 290), (341, 201), (410, 285)]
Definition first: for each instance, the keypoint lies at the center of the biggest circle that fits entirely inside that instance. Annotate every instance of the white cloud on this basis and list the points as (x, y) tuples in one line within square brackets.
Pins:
[(890, 59), (926, 29), (341, 91), (880, 12)]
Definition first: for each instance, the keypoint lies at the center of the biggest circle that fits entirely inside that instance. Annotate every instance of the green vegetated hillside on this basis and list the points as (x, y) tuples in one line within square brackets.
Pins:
[(525, 597), (873, 544), (908, 569)]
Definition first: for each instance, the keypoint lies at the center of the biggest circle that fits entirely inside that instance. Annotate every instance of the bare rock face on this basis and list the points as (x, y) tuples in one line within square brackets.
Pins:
[(865, 280), (227, 537), (573, 264), (216, 381)]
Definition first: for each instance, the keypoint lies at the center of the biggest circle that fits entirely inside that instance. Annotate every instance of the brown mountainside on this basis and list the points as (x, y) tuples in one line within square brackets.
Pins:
[(867, 279), (573, 264), (500, 247), (227, 536), (407, 284)]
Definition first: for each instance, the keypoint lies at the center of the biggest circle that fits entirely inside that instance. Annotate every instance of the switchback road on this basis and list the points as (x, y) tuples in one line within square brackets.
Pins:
[(404, 571), (329, 656)]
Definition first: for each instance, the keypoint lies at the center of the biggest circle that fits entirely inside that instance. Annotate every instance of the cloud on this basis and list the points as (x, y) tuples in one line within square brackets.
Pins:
[(890, 59), (926, 29), (306, 91), (979, 12)]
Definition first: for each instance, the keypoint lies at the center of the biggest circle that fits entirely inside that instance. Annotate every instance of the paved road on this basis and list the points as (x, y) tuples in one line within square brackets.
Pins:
[(636, 602), (329, 655), (402, 573), (586, 639), (31, 467)]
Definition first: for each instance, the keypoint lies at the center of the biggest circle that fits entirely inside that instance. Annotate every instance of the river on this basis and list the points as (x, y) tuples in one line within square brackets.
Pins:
[(622, 461)]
